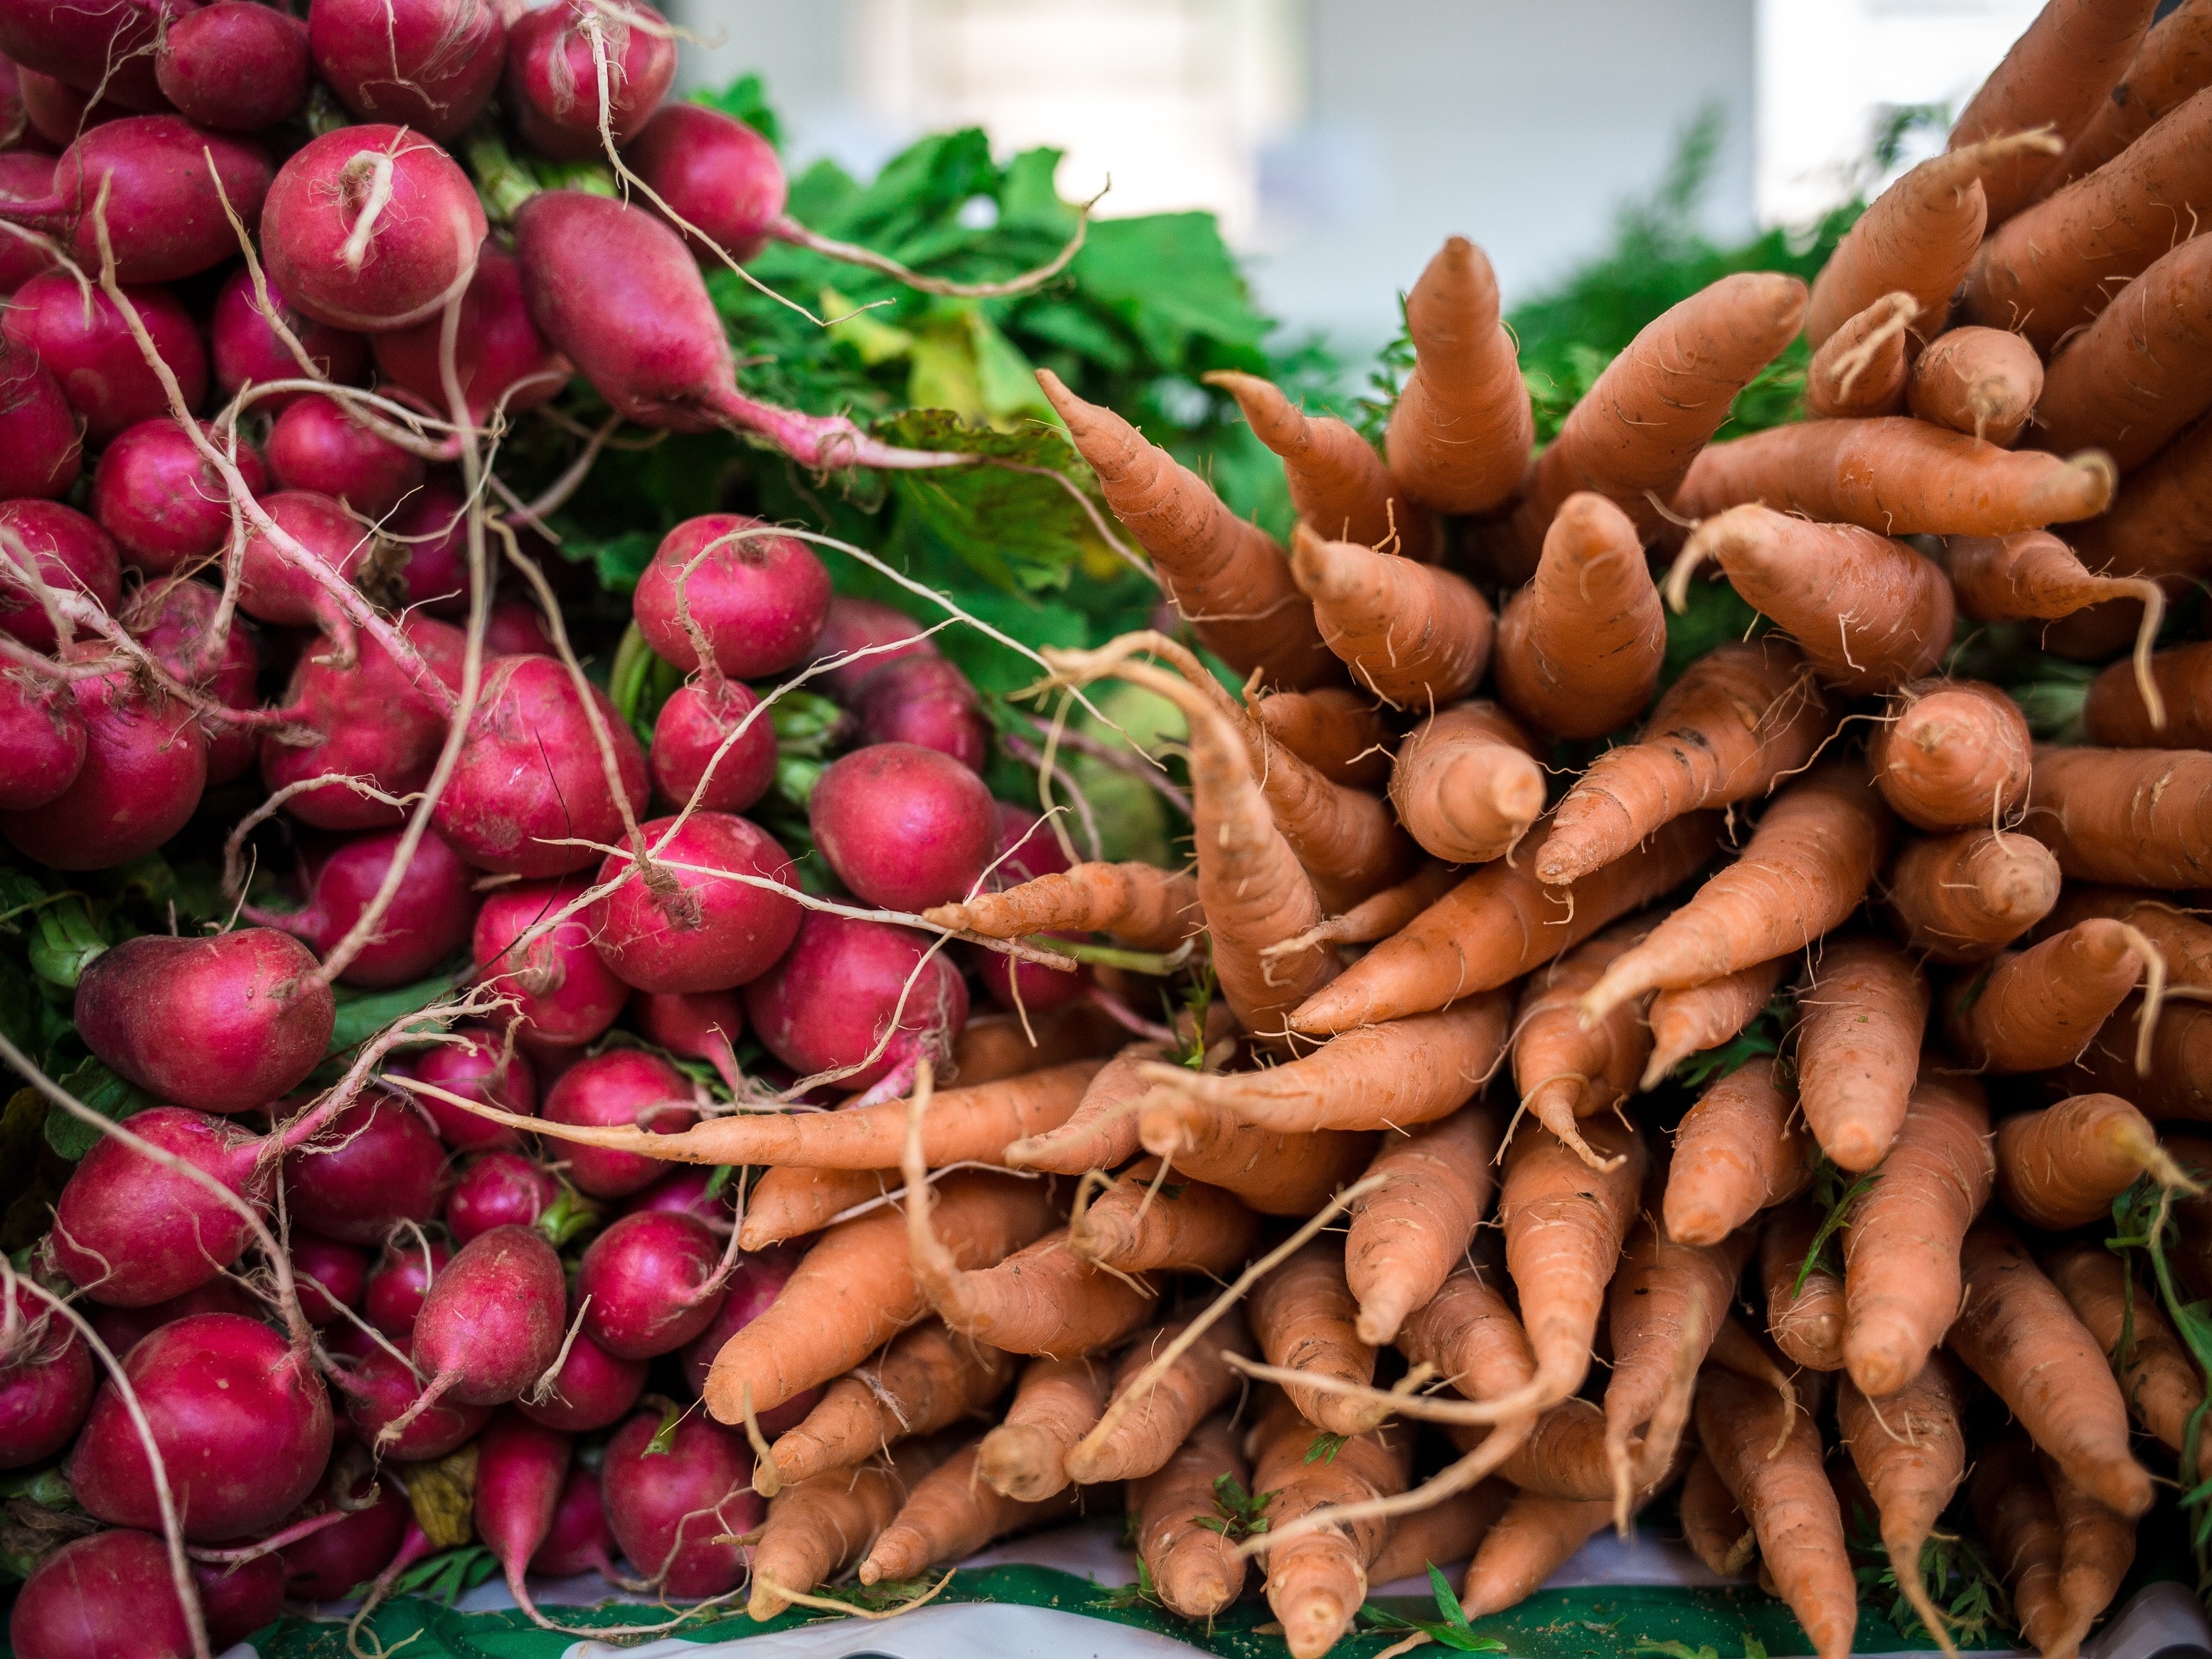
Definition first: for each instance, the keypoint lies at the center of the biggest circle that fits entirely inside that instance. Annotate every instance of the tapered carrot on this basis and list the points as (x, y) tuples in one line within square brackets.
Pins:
[(1056, 1402), (1911, 1450), (2061, 1166), (1187, 1227), (1697, 1017), (2175, 60), (1564, 1068), (1195, 1568), (1339, 485), (1953, 754), (1860, 1023), (1415, 636), (1579, 649), (2098, 1547), (1902, 1280), (1805, 1309), (2157, 1378), (1405, 1239), (1462, 429), (1144, 1439), (994, 1046), (2116, 716), (2181, 937), (1145, 907), (2012, 1510), (818, 1526), (1470, 1335), (1981, 381), (1563, 1456), (2034, 575), (950, 1514), (1274, 1172), (1805, 868), (1304, 1318), (1735, 1154), (1102, 1131), (1318, 1579), (1859, 370), (1712, 1526), (1564, 1223), (856, 1288), (1741, 717), (2135, 376), (1442, 1533), (1634, 434), (2178, 1086), (1665, 1305), (1466, 784), (1525, 1545), (1338, 732), (928, 1379), (1501, 922), (1379, 917), (1230, 578), (2032, 1010), (1964, 898), (793, 1200)]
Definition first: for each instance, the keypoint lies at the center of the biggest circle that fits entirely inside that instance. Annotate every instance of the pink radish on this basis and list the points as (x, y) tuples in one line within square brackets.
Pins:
[(88, 347), (479, 1067), (499, 354), (716, 173), (331, 1276), (40, 453), (926, 701), (373, 1165), (60, 114), (491, 1325), (757, 1283), (530, 780), (518, 629), (653, 1283), (156, 495), (696, 1025), (327, 1565), (904, 827), (500, 1189), (111, 49), (1027, 849), (132, 1233), (620, 1087), (380, 1391), (393, 1300), (99, 1597), (429, 919), (521, 1467), (273, 587), (579, 1540), (1043, 990), (225, 1023), (234, 66), (124, 1328), (42, 740), (67, 552), (592, 1389), (428, 64), (236, 1600), (174, 620), (240, 1418), (246, 351), (564, 995), (370, 227), (837, 991), (888, 636), (684, 1191), (46, 1381), (317, 446), (433, 531), (668, 1508), (143, 771), (552, 82), (688, 737), (706, 932), (759, 597)]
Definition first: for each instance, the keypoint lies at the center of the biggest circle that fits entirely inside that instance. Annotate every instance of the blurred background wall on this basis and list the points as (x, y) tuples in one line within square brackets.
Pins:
[(1341, 139)]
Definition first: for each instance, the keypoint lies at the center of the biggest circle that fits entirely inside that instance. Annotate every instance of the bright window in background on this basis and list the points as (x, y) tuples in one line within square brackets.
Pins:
[(1172, 98)]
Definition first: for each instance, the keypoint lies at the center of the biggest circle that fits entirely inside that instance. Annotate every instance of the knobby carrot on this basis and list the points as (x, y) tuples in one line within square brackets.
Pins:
[(1141, 1225), (1336, 731), (2157, 1378), (1859, 370), (1304, 1318), (2061, 1167), (1735, 1154), (1101, 1133), (1860, 1023), (950, 1514), (1462, 429), (2033, 1010), (1701, 1017), (2098, 1546), (928, 1379), (1981, 381), (1339, 485), (1056, 1402), (1579, 649), (1805, 1319), (1470, 1335), (2175, 60), (2012, 1509), (1195, 1568), (1953, 754), (1665, 1306), (1911, 1450), (2116, 715), (1466, 784), (1563, 1068), (818, 1526), (1414, 635), (1318, 1579), (2135, 376), (1564, 1223), (1146, 908), (1525, 1545), (1712, 1526), (1405, 1239), (1964, 898), (1144, 1439), (1274, 1172)]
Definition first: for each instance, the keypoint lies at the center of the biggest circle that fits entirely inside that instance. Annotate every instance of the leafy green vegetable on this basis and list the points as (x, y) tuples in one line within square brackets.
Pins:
[(1450, 1628), (98, 1086), (1239, 1514)]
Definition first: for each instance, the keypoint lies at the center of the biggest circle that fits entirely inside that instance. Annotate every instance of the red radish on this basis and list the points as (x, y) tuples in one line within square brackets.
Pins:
[(68, 553), (132, 1232), (696, 1025), (521, 1467), (428, 64), (530, 779), (240, 1419), (42, 740), (246, 351), (620, 1087), (668, 1508), (174, 620), (500, 1189), (518, 629), (40, 453), (46, 1381), (393, 1299), (123, 1329), (491, 1325), (327, 1565), (373, 1165), (480, 1066), (564, 994), (273, 587), (156, 495), (1027, 847), (225, 1023), (370, 227), (718, 175), (331, 1276), (651, 1281), (579, 1540), (498, 352), (144, 767), (12, 124), (431, 528), (552, 81), (238, 1600), (614, 289), (708, 932), (1042, 989), (592, 1389), (837, 990), (60, 114), (102, 1597), (759, 597), (379, 1391), (684, 1191), (688, 737), (429, 919), (757, 1283), (88, 347), (888, 636), (904, 827), (926, 701), (317, 446), (234, 66), (375, 723), (111, 49)]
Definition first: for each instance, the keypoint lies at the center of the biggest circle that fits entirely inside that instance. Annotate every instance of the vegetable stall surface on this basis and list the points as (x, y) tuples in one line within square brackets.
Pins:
[(741, 881)]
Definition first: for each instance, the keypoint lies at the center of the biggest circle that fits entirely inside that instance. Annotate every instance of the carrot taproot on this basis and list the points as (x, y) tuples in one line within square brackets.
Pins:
[(2135, 376), (1565, 1068), (1194, 1567), (1911, 1450), (1056, 1402), (1666, 1304), (1440, 1534), (1304, 1318), (1462, 429), (2097, 1547), (1501, 922), (1712, 1526), (1902, 1280), (1741, 717), (1229, 578), (1318, 1579), (2033, 1010), (996, 1045), (2157, 531), (1466, 783), (1468, 1333), (1780, 1483), (856, 1289), (2175, 60), (818, 1526), (1951, 754), (2019, 1336), (1735, 1154), (1983, 382), (2013, 1511), (1276, 1173), (1580, 647), (1414, 635), (1101, 1133), (927, 1379), (1405, 1238), (2054, 266), (2181, 939), (950, 1514), (1527, 1545), (1144, 1439), (1804, 870), (1139, 1225), (2116, 716), (1698, 1018), (1145, 907), (2033, 576), (2157, 1378), (1338, 732), (1963, 898), (1859, 1026), (2061, 1166), (791, 1200), (1339, 485), (2178, 1083), (1805, 1307), (1636, 432), (1564, 1223), (1379, 917), (1860, 369)]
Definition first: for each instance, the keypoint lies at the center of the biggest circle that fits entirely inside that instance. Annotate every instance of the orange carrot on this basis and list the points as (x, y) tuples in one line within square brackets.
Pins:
[(2031, 574), (1146, 908), (1953, 754), (1441, 1534), (1405, 1239), (1230, 578), (1466, 784), (1805, 868), (1379, 917), (2098, 1547), (1187, 1227), (1337, 483), (926, 1380), (1806, 1320), (1317, 1580), (817, 1526), (1964, 898), (2116, 717), (950, 1514), (2155, 531), (1735, 1154), (994, 1046), (1859, 370), (1462, 429), (1902, 1280), (1981, 381), (1564, 1068), (1579, 649), (1860, 1023), (1275, 1173), (2175, 60), (1564, 1223), (1471, 1335), (1412, 634), (2135, 376), (1195, 1568), (1305, 1319), (792, 1202), (2032, 1010), (1056, 1402), (1144, 1439), (1697, 1017), (1666, 1304), (1713, 1527), (2014, 1511), (1911, 1450), (1741, 717), (2158, 1379), (1336, 731), (1101, 1131), (1525, 1545), (2062, 1166), (1563, 1455)]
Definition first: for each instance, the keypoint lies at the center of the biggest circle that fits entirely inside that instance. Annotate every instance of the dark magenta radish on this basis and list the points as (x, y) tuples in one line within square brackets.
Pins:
[(174, 620), (144, 768), (564, 994), (156, 495), (706, 932), (372, 722), (317, 446), (45, 1380), (684, 1190), (86, 346), (695, 1025), (492, 1323), (12, 124), (757, 1282), (429, 919), (530, 778), (622, 1086), (393, 1299), (123, 1329), (40, 453), (759, 597), (552, 83), (237, 1599), (578, 1540), (370, 227), (373, 1165), (481, 1067), (432, 530), (592, 1389), (716, 173), (240, 1419), (111, 49), (904, 827), (106, 1596), (60, 114), (500, 1189), (70, 553), (380, 1391), (132, 1232), (652, 1282), (928, 702), (521, 1467), (667, 1509), (887, 635), (428, 64), (273, 587), (688, 737), (246, 350), (329, 1563), (1042, 989), (42, 741), (225, 1023), (331, 1276), (837, 991), (517, 629), (498, 352), (1027, 847), (234, 66)]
